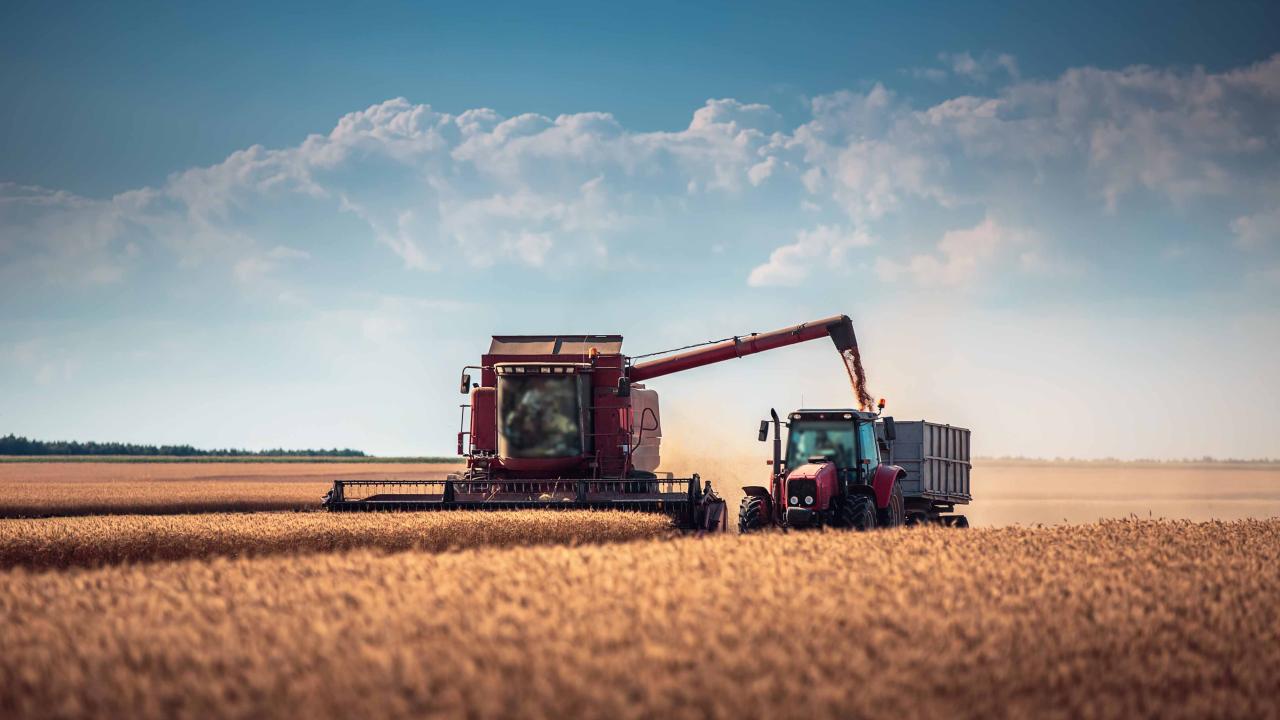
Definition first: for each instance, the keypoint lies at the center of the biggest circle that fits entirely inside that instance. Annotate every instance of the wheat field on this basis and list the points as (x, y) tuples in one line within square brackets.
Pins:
[(54, 543), (577, 614), (1118, 619)]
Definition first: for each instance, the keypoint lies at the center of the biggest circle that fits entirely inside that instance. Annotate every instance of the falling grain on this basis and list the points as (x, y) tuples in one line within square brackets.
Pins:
[(857, 377)]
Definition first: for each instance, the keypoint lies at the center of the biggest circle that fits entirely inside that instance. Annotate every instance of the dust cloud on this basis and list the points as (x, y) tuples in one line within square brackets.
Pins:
[(727, 473)]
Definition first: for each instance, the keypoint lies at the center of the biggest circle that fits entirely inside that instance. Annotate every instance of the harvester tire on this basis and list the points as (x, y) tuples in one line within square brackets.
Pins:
[(895, 515), (856, 513), (753, 514)]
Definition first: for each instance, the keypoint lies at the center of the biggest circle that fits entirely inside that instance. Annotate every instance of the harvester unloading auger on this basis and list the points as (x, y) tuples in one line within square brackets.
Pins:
[(564, 422)]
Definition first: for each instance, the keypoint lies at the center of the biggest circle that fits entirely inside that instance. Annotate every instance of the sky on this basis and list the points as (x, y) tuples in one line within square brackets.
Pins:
[(236, 225)]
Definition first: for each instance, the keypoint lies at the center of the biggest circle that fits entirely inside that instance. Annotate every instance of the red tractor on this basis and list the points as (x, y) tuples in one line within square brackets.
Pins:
[(832, 474)]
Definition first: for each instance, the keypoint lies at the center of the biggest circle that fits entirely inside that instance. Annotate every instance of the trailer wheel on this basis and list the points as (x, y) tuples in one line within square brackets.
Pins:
[(752, 514), (856, 513), (896, 514), (959, 521)]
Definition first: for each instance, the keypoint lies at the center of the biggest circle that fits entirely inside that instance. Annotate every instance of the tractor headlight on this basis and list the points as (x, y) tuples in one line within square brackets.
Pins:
[(795, 500), (808, 499)]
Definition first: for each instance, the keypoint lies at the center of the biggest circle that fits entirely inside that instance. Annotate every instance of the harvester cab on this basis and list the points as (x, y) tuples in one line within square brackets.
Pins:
[(561, 421), (831, 474)]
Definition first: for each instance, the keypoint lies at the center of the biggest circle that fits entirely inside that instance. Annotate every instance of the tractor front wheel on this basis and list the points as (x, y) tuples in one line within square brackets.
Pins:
[(896, 513), (753, 514), (856, 513)]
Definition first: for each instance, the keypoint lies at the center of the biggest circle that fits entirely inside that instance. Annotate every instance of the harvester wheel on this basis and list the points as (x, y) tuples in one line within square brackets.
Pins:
[(857, 513), (896, 514), (753, 514)]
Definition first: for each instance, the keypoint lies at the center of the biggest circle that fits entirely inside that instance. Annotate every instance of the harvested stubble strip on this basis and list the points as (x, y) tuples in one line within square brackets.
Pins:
[(1116, 620), (65, 489), (91, 541)]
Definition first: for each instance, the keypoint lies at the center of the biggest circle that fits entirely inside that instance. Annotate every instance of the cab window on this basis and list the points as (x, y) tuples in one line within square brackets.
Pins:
[(870, 449), (832, 440)]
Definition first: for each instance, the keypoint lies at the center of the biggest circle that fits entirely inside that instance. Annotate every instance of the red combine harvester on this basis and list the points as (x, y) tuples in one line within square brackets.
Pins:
[(561, 422), (832, 473)]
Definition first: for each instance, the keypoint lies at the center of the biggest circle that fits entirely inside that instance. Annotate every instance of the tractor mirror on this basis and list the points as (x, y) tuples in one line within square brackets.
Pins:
[(764, 430), (465, 385), (890, 432)]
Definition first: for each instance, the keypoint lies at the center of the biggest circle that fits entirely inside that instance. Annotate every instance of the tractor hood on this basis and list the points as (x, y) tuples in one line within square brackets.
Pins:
[(810, 470), (810, 486)]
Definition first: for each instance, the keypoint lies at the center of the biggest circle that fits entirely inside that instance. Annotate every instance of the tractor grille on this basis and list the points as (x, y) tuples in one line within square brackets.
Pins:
[(800, 490)]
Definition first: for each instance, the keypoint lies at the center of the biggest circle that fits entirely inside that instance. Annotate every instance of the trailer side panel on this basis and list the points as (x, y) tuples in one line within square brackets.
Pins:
[(936, 458)]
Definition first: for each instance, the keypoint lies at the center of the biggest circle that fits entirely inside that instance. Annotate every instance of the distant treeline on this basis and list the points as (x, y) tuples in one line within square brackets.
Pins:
[(14, 445)]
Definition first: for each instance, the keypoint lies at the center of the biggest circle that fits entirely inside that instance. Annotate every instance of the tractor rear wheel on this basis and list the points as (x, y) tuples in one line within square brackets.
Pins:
[(753, 514), (857, 512), (896, 514)]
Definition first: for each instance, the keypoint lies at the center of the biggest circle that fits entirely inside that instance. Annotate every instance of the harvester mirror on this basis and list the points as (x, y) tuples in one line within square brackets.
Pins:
[(764, 430), (890, 432), (624, 388), (465, 385)]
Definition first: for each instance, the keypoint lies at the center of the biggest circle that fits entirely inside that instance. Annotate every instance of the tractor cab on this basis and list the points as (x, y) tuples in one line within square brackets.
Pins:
[(845, 438), (830, 474)]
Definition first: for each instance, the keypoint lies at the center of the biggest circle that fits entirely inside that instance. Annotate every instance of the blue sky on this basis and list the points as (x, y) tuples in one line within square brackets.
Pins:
[(1057, 225)]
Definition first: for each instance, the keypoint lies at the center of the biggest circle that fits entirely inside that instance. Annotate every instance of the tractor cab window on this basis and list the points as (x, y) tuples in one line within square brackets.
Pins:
[(826, 439), (870, 455)]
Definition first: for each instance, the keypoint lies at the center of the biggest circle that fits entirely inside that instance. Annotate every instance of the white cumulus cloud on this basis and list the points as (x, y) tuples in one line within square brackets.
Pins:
[(433, 189), (960, 256), (1257, 231), (825, 246)]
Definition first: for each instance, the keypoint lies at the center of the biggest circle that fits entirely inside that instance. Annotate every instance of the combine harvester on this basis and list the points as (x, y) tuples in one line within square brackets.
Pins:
[(564, 422)]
